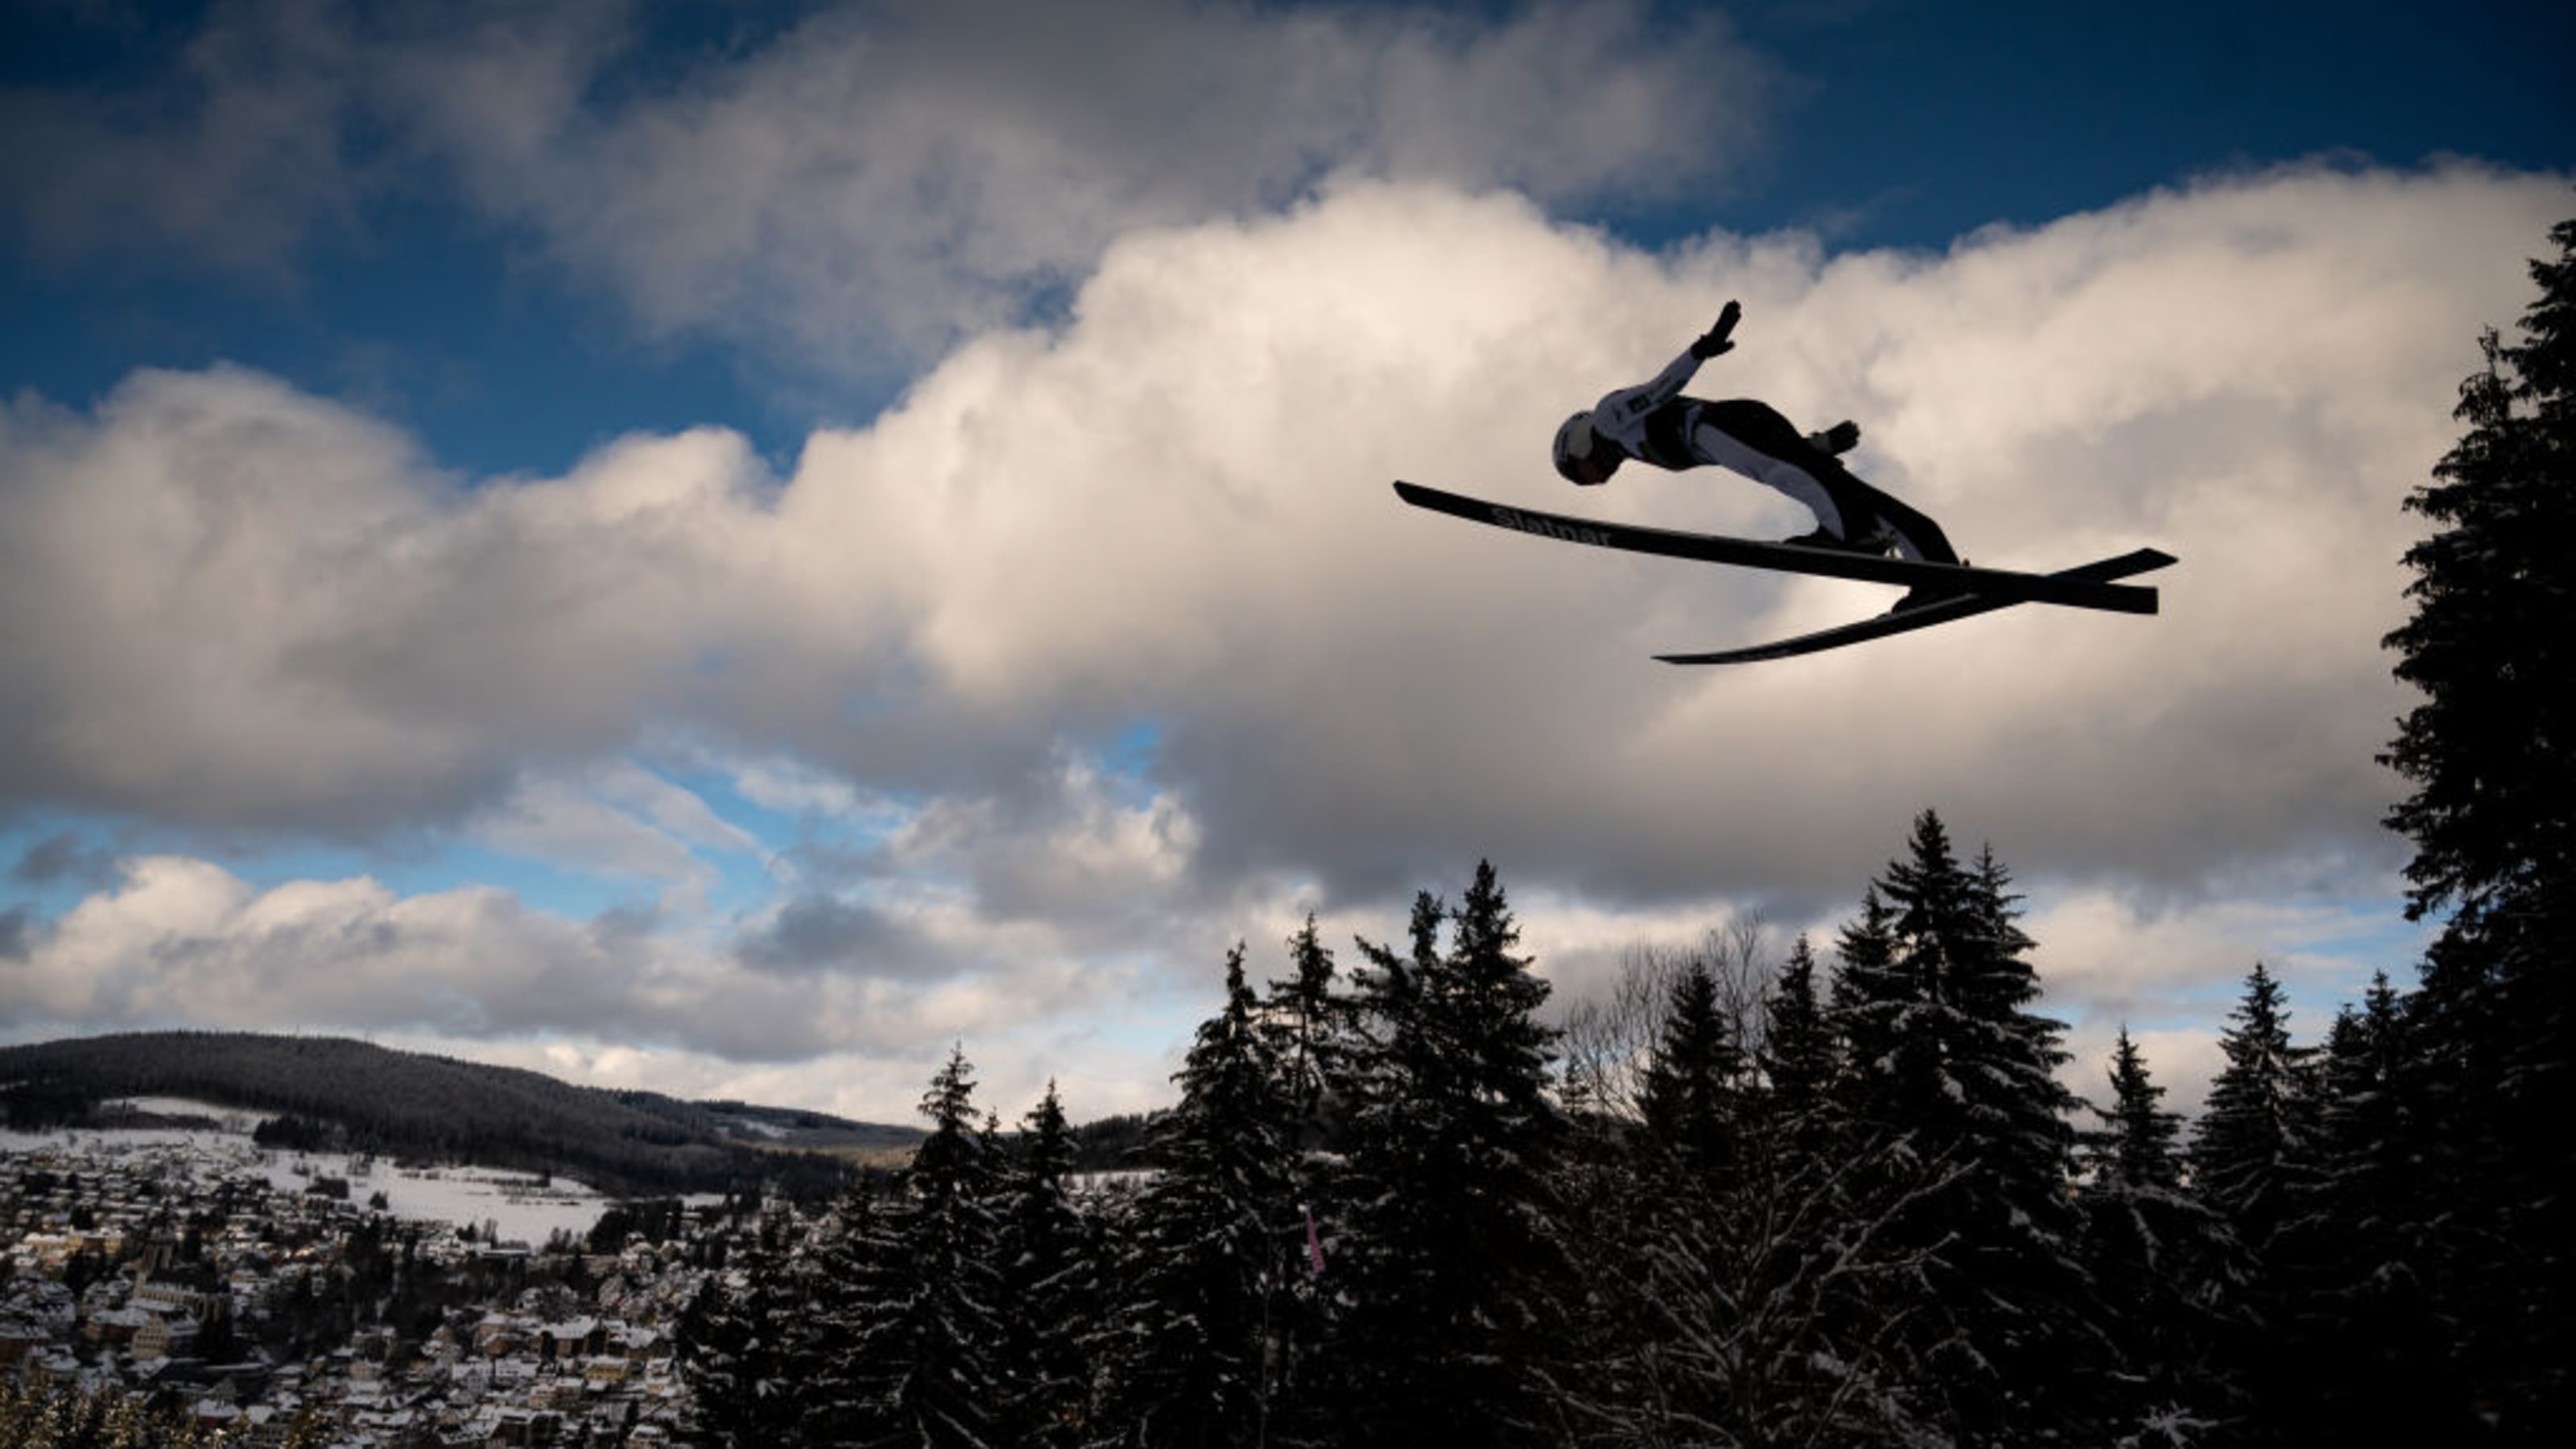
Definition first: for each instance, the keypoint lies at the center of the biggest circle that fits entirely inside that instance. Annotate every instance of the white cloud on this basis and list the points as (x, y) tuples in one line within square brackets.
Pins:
[(184, 941), (1084, 846), (618, 820), (792, 786), (860, 188), (680, 811), (2171, 970), (248, 607), (476, 973), (887, 178), (2157, 964), (259, 607), (256, 607)]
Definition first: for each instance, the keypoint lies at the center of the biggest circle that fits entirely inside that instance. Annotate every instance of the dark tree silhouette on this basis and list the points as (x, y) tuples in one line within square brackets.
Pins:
[(2491, 753)]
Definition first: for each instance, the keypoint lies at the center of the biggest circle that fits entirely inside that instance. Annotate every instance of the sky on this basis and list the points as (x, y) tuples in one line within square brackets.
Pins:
[(727, 548)]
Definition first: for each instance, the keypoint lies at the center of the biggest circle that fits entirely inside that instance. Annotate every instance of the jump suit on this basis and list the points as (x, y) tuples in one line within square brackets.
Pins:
[(1654, 423)]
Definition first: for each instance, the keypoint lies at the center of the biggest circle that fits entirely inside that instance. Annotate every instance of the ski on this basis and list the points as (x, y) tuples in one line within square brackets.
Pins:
[(1906, 621), (2086, 588)]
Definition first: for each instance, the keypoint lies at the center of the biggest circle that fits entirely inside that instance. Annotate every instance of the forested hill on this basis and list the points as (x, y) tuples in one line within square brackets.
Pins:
[(337, 1092)]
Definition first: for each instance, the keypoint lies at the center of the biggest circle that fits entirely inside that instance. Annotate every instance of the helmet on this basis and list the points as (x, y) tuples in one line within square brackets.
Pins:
[(1574, 449)]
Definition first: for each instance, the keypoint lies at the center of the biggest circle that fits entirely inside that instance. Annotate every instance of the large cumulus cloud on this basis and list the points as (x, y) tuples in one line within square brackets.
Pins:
[(236, 605), (247, 605), (252, 606)]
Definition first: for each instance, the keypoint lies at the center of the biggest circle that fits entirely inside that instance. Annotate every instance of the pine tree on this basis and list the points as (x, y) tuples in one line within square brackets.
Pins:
[(1306, 1029), (1872, 999), (1752, 1292), (845, 1283), (2493, 816), (2491, 752), (2254, 1160), (2017, 1053), (1799, 1056), (1301, 1021), (2139, 1147), (921, 1334), (1952, 1068), (1213, 1243), (2253, 1153), (2368, 1194), (2362, 1338), (1448, 1263), (1051, 1280), (752, 1350), (2163, 1264), (1694, 1078)]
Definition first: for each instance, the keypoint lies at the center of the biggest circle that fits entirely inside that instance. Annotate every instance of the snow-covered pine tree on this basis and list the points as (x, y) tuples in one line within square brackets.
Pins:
[(2360, 1341), (2163, 1265), (1306, 1025), (1948, 1062), (1212, 1243), (1799, 1058), (1765, 1304), (2367, 1202), (750, 1347), (1052, 1282), (2139, 1145), (2253, 1161), (1779, 1311), (1447, 1258), (1802, 1103), (2255, 1148), (2492, 747), (1302, 1022), (1872, 1005), (920, 1328), (1783, 1300), (847, 1272), (2491, 752)]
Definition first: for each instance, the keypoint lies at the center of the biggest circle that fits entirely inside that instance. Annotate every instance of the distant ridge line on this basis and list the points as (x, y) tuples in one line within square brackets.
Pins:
[(436, 1108)]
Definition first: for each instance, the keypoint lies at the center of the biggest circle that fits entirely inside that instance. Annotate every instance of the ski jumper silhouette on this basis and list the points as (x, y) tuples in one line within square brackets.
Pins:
[(1655, 424)]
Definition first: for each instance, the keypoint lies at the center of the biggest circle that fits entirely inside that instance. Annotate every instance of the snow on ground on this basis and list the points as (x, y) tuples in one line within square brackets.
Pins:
[(523, 1208)]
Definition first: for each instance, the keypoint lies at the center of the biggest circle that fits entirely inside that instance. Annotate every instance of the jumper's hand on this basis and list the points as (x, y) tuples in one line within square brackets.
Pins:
[(1715, 340)]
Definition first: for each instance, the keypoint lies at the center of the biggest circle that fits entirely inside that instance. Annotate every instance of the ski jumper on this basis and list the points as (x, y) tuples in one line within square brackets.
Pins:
[(1654, 423)]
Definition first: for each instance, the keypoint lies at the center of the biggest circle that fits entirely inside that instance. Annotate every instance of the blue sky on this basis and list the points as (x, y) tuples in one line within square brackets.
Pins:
[(727, 547)]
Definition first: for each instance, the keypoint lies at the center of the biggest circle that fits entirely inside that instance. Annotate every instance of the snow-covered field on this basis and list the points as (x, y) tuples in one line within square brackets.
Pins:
[(523, 1209)]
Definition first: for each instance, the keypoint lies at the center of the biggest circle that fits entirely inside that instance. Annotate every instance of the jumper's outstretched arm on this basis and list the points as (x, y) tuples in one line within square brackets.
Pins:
[(1716, 339)]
